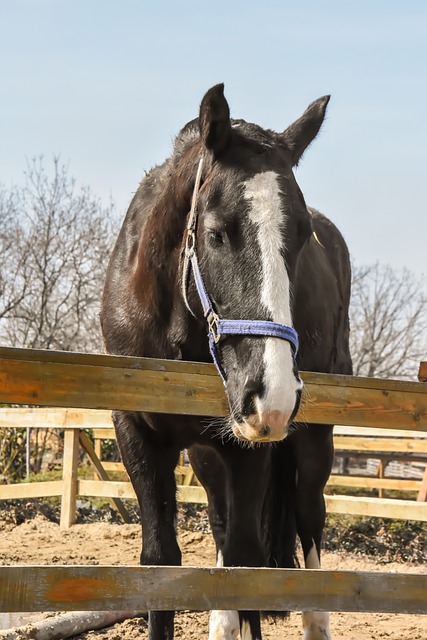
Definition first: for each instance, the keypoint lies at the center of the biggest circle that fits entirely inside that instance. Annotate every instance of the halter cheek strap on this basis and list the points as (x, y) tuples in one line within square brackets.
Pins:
[(219, 328)]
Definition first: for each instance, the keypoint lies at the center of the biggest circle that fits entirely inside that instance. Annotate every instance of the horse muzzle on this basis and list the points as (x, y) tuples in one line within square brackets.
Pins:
[(269, 426)]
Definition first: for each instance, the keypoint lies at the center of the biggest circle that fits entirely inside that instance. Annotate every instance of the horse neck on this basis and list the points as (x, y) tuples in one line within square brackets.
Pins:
[(157, 275)]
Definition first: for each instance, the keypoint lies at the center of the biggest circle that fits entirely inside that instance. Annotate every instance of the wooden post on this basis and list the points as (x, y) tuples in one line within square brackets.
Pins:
[(422, 372), (422, 493), (69, 476), (101, 473), (97, 446), (380, 475)]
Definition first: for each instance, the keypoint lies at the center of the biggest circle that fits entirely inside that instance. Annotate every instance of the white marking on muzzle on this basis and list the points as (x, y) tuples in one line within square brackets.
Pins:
[(266, 212)]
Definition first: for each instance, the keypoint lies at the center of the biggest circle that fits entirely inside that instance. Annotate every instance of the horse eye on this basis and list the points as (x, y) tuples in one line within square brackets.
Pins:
[(216, 237)]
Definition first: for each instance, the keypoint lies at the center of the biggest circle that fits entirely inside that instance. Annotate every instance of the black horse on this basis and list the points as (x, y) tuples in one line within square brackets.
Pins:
[(221, 230)]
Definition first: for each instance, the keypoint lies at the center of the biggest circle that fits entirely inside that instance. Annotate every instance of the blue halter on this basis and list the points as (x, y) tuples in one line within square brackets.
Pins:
[(217, 327)]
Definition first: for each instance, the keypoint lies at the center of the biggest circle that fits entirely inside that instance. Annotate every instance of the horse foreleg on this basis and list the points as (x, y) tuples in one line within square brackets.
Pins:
[(314, 452), (151, 469), (210, 471), (247, 476)]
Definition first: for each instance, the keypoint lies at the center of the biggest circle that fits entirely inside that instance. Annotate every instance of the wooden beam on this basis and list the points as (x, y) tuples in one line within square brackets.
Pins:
[(110, 382), (399, 445), (422, 372), (54, 418), (373, 483), (377, 507), (31, 490), (422, 493), (102, 489), (105, 433), (103, 475), (352, 505), (113, 466), (67, 588), (387, 457), (345, 430), (69, 477)]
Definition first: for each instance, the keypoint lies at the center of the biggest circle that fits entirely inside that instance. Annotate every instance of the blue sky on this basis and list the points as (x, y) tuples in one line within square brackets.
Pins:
[(108, 84)]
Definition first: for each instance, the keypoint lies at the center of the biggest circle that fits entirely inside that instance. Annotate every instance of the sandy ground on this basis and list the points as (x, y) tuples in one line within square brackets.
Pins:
[(39, 541)]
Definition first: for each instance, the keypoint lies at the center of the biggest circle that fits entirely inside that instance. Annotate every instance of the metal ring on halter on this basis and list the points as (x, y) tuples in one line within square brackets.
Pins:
[(190, 244), (213, 325)]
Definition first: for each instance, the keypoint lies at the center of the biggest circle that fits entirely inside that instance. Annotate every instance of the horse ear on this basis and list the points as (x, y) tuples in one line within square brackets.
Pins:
[(214, 120), (303, 131)]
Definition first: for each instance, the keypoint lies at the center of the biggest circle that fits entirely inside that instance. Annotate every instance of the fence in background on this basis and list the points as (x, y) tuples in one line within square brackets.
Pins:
[(146, 384)]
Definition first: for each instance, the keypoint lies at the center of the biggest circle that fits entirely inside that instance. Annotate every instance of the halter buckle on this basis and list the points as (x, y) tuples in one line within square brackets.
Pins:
[(213, 324), (190, 244)]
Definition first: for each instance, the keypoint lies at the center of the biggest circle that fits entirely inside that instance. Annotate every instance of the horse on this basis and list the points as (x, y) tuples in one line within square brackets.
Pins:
[(220, 258)]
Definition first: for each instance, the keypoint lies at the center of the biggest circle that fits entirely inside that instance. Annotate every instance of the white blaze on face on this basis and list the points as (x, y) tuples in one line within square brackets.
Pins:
[(266, 213)]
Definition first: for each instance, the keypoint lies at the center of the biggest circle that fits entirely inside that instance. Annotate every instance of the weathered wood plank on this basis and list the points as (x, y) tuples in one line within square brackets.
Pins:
[(106, 433), (345, 430), (351, 505), (102, 489), (76, 588), (31, 490), (191, 494), (103, 475), (108, 387), (100, 421), (377, 507), (422, 493), (100, 360), (69, 478), (113, 466), (343, 400), (55, 418), (373, 483), (95, 381), (398, 445)]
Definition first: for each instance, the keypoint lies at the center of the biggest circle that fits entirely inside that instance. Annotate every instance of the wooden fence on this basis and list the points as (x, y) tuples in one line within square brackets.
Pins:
[(75, 422), (106, 382), (102, 588)]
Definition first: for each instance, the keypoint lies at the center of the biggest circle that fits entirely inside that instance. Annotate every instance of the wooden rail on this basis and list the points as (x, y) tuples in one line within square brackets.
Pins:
[(62, 379), (77, 588), (74, 421)]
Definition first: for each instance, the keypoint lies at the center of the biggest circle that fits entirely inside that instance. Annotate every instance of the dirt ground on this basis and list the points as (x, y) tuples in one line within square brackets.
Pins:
[(39, 541)]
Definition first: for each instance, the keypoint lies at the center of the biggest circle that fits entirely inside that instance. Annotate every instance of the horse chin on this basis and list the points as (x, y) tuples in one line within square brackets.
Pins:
[(243, 431)]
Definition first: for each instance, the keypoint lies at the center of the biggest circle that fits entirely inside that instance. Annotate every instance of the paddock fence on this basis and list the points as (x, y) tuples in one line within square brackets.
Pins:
[(56, 379), (349, 441)]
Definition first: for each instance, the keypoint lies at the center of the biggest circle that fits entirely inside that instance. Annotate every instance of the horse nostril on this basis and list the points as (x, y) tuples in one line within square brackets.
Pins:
[(249, 406), (253, 390), (266, 430)]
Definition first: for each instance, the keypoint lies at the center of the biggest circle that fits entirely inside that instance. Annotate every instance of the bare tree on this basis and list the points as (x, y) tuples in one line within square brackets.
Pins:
[(14, 278), (388, 322), (55, 241)]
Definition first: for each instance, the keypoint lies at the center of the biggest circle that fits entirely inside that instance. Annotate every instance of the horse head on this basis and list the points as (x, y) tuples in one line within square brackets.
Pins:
[(248, 225)]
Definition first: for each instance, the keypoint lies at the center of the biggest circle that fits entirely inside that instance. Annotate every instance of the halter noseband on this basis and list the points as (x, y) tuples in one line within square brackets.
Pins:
[(217, 327)]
